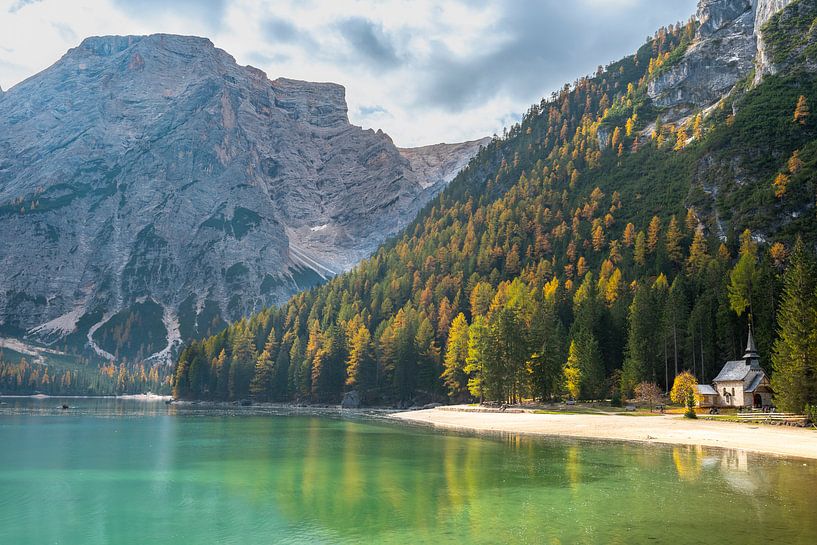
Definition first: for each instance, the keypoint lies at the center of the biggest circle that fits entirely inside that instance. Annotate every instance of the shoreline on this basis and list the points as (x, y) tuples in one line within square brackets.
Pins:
[(141, 397), (666, 430)]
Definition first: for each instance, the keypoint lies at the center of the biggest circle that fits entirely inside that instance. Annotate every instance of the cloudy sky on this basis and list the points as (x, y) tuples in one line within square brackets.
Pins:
[(424, 71)]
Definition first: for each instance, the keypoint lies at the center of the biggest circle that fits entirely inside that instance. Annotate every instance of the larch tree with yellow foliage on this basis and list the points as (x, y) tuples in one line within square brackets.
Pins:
[(684, 390), (653, 234), (801, 111)]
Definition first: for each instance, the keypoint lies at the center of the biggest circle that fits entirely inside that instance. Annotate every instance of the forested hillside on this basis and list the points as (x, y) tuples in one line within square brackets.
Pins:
[(590, 248)]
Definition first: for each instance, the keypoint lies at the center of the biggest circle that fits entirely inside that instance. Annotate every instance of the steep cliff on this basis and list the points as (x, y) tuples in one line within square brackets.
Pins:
[(152, 189), (728, 46)]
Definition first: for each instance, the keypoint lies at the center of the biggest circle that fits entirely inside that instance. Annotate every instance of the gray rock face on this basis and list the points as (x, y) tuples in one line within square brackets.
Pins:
[(764, 11), (722, 54), (155, 169), (728, 45), (716, 15), (436, 165)]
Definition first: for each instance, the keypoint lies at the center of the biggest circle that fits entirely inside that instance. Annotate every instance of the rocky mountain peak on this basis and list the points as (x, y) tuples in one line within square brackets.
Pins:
[(716, 15), (728, 46), (153, 180), (107, 46)]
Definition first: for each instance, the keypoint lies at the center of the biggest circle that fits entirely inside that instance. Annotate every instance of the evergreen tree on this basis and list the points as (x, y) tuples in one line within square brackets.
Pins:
[(801, 111), (640, 251), (361, 367), (545, 365), (698, 256), (639, 359), (660, 297), (653, 234), (456, 355), (479, 353), (261, 384), (794, 357), (242, 365), (675, 317), (328, 369), (744, 277), (673, 242), (572, 372), (428, 360), (588, 360)]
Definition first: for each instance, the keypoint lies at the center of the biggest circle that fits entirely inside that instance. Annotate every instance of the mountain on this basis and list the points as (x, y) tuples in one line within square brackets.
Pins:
[(151, 189), (622, 232), (729, 43)]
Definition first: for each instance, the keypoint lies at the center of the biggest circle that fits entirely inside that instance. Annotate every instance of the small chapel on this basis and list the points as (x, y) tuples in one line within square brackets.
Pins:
[(741, 383)]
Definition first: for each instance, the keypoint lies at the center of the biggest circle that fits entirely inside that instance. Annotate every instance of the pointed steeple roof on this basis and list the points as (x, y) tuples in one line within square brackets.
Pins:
[(751, 356)]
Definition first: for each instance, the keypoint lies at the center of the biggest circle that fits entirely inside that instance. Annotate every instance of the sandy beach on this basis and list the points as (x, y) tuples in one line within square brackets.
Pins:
[(667, 429)]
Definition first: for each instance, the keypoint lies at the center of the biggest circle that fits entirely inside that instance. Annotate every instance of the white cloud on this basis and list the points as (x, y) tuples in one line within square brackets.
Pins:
[(424, 71)]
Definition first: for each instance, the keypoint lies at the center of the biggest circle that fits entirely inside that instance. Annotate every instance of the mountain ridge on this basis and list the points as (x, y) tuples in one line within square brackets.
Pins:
[(605, 240), (155, 173)]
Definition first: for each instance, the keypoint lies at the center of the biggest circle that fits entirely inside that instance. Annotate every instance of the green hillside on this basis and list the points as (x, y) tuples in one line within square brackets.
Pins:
[(578, 255)]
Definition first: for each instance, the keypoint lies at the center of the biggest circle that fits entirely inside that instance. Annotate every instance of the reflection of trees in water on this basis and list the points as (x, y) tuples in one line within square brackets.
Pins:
[(369, 482), (688, 462)]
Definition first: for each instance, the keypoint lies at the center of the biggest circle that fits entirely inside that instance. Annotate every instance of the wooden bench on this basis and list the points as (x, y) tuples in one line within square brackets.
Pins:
[(788, 419)]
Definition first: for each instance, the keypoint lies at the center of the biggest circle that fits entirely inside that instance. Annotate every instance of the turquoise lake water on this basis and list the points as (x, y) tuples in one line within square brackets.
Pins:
[(129, 472)]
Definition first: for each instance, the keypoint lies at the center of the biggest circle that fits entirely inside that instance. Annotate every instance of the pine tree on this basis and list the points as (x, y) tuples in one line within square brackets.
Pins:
[(219, 375), (660, 296), (801, 111), (478, 355), (653, 234), (691, 221), (780, 184), (640, 251), (361, 366), (616, 139), (675, 317), (794, 356), (428, 361), (590, 365), (629, 235), (456, 355), (639, 356), (680, 139), (697, 131), (261, 384), (744, 277), (545, 364), (242, 364), (673, 242), (572, 372), (481, 297), (598, 238), (328, 369), (698, 256)]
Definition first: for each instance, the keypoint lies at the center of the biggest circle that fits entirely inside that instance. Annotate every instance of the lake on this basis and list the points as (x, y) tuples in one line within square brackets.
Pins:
[(133, 472)]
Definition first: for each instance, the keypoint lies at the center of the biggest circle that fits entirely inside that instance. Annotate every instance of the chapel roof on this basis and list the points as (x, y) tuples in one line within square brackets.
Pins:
[(733, 370), (706, 390)]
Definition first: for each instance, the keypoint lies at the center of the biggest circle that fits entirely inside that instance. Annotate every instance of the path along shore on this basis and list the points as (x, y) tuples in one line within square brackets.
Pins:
[(667, 429)]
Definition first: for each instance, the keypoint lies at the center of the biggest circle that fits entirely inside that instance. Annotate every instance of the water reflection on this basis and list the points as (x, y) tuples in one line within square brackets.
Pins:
[(194, 478)]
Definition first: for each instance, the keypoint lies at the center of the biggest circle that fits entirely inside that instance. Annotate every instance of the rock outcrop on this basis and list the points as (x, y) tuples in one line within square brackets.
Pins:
[(153, 176), (436, 165), (728, 45)]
